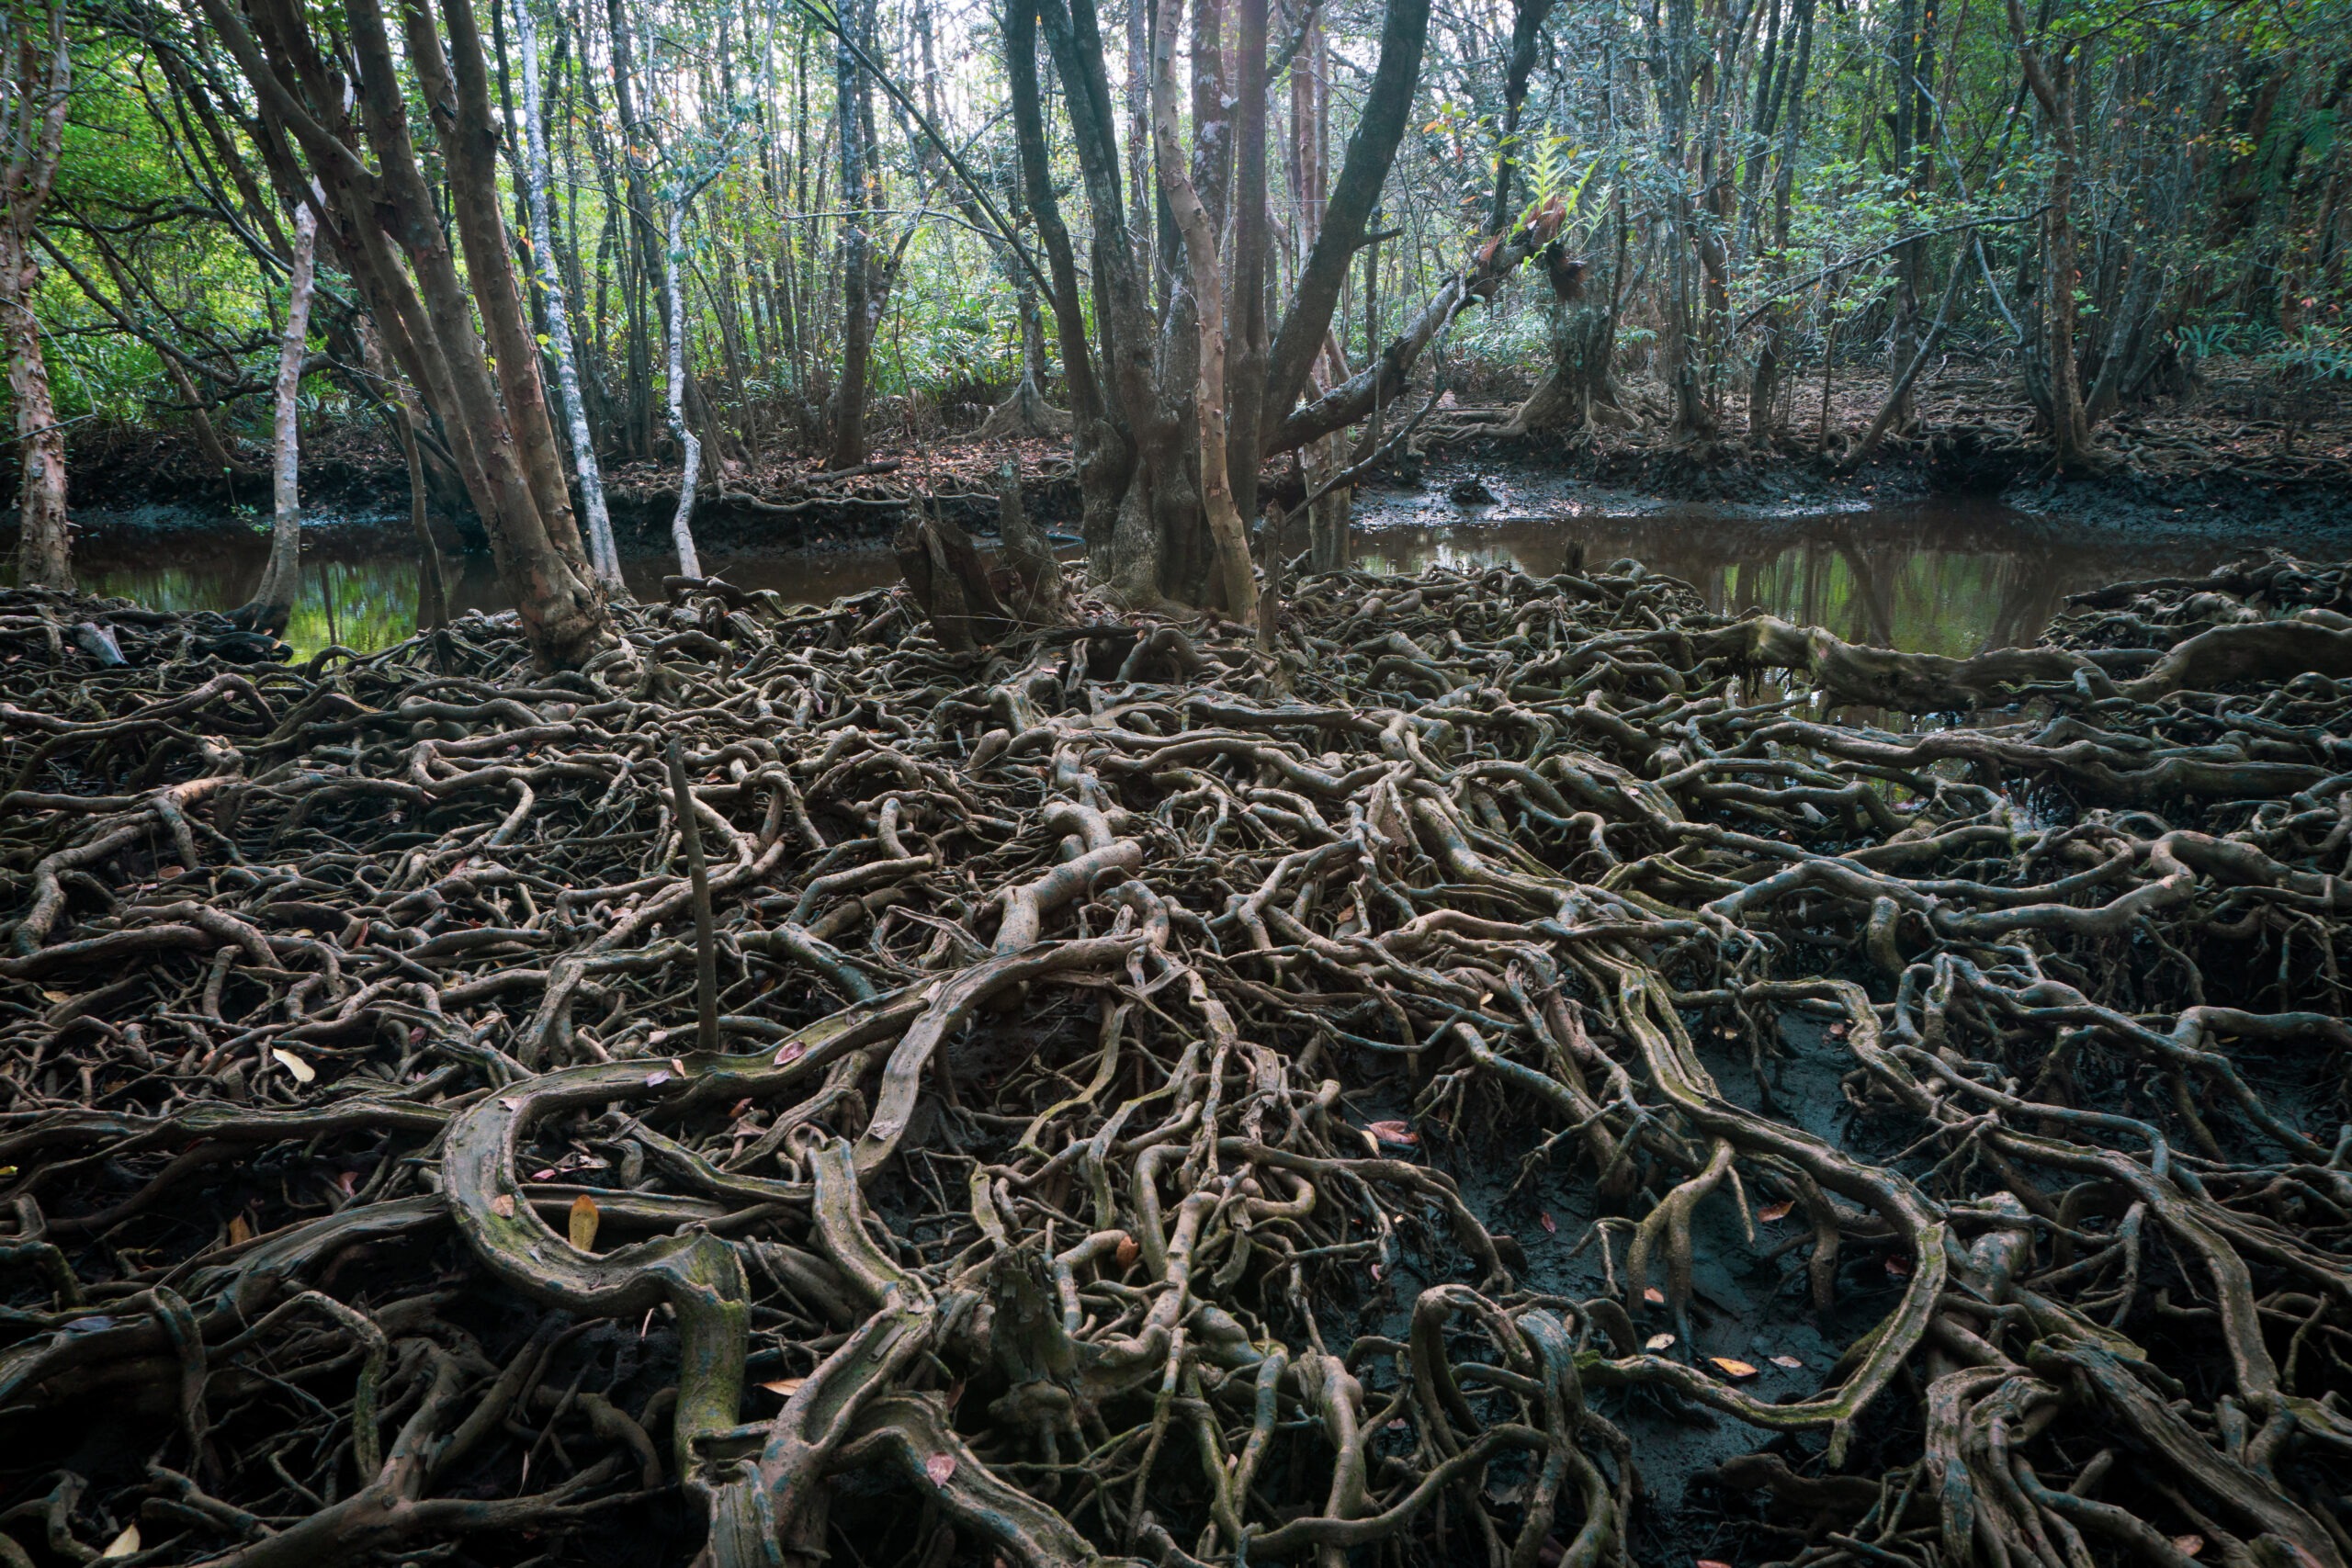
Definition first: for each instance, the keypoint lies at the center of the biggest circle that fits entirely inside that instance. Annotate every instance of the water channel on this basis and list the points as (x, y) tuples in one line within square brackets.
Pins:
[(1944, 576)]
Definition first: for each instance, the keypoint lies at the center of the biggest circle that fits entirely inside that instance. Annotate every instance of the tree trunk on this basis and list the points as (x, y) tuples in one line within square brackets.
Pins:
[(857, 317), (603, 553), (1581, 319), (495, 429), (2053, 88), (34, 120), (281, 580), (690, 470)]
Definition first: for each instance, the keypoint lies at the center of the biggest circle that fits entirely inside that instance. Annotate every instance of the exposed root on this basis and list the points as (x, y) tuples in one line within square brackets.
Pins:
[(1119, 1059)]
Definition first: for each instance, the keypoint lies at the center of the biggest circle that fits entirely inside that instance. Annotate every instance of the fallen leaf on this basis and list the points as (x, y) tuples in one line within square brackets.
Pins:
[(677, 1067), (790, 1051), (1837, 1030), (348, 1183), (1899, 1266), (59, 997), (2188, 1545), (511, 1101), (1394, 1133), (547, 1175), (122, 1545), (241, 1230), (785, 1386), (1739, 1371), (1658, 1342), (1788, 1361), (1551, 1225), (1709, 1563), (1128, 1250), (1398, 1424), (503, 1206), (939, 1467), (584, 1218), (1375, 1273), (1773, 1213), (303, 1072), (1653, 1295), (656, 1079)]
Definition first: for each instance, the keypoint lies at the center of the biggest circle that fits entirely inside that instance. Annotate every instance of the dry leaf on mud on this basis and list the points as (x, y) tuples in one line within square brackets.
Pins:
[(1738, 1372), (785, 1386), (1658, 1342), (1791, 1362), (303, 1072), (1394, 1133), (585, 1219), (1653, 1295), (1773, 1213)]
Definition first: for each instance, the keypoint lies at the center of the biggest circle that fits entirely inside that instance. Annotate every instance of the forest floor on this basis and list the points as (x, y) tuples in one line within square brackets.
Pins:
[(1559, 1076), (2234, 452)]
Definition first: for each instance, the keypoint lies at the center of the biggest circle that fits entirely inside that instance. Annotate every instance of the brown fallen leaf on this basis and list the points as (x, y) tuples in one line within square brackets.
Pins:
[(1128, 1250), (790, 1051), (503, 1206), (1709, 1563), (1773, 1213), (241, 1231), (1394, 1133), (60, 997), (939, 1467), (1738, 1372), (585, 1219), (1653, 1295), (2188, 1545), (1551, 1225), (1899, 1266), (785, 1386), (1791, 1362)]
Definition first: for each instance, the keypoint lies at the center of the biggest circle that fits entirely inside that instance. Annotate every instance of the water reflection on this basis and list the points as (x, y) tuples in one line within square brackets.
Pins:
[(1937, 578), (1942, 577)]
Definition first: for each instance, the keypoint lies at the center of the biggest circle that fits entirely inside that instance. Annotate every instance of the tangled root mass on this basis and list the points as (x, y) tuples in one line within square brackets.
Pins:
[(1136, 1091)]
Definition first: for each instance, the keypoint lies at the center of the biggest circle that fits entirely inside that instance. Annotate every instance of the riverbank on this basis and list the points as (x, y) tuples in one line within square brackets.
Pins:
[(2230, 456)]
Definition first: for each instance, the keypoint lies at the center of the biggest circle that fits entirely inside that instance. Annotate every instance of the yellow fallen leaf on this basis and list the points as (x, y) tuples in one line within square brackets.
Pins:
[(303, 1072), (122, 1545), (785, 1386), (583, 1222), (60, 997), (240, 1231), (1773, 1213), (1658, 1342), (1737, 1371)]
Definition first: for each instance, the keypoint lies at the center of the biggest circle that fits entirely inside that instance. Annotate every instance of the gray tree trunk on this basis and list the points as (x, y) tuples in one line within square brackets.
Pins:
[(604, 556), (682, 524), (271, 604)]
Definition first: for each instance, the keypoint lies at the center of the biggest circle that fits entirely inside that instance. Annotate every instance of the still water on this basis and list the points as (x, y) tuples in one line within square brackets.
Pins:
[(1942, 577)]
